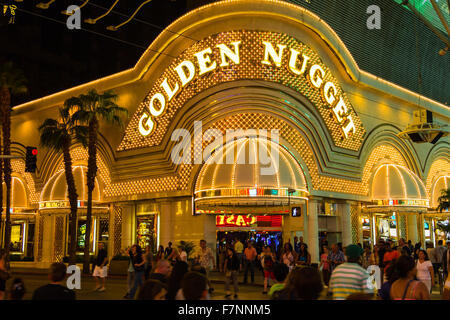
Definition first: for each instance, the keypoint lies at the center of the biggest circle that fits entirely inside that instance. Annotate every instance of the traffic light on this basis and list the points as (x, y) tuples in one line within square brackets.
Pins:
[(31, 159)]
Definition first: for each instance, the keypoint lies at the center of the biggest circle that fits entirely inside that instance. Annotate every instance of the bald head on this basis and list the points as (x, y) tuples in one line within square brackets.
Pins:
[(163, 267)]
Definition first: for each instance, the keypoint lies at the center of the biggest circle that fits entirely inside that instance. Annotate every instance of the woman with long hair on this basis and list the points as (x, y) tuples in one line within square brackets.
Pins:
[(325, 265), (406, 287), (160, 253), (303, 283), (425, 272), (304, 258), (179, 270), (138, 263), (391, 276), (288, 257)]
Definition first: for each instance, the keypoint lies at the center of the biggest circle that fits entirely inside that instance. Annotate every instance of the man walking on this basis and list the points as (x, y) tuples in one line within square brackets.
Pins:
[(438, 256), (101, 268), (335, 257), (349, 277), (250, 255), (206, 259), (239, 249)]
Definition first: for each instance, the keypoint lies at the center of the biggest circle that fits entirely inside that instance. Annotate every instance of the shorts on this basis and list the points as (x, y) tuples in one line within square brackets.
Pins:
[(269, 274), (100, 272)]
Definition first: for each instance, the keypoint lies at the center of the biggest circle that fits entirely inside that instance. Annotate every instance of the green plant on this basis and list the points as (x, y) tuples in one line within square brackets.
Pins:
[(444, 200), (187, 246)]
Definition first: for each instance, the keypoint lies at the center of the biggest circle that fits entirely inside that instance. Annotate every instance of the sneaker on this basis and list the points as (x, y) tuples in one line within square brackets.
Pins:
[(101, 290), (264, 292), (235, 296), (227, 296)]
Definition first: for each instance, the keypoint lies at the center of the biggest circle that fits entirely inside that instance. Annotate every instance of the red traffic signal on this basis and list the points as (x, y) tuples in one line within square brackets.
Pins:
[(34, 152)]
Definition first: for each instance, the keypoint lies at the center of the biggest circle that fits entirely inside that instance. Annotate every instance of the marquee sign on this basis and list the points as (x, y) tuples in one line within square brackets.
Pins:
[(248, 221), (247, 55)]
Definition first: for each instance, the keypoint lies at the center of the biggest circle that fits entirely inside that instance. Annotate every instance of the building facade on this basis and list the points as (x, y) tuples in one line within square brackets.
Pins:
[(282, 76)]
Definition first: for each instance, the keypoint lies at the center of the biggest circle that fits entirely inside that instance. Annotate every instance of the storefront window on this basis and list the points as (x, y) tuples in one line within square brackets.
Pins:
[(17, 238), (327, 209), (387, 227), (147, 230), (103, 235), (81, 234), (366, 231)]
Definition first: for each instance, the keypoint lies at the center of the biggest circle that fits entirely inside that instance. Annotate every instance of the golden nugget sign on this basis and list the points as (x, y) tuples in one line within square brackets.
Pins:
[(273, 54)]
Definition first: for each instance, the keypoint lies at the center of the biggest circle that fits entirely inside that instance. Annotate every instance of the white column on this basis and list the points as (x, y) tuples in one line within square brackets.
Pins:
[(313, 231), (412, 228), (346, 223)]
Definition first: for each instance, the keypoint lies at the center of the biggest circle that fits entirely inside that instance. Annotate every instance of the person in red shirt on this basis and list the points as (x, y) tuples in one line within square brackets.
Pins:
[(250, 255), (390, 256)]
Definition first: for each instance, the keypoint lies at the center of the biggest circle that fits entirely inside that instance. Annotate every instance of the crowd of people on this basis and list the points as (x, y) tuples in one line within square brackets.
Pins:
[(389, 271)]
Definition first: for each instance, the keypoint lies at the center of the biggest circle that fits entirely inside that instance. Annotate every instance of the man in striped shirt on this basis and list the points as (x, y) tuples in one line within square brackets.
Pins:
[(350, 278)]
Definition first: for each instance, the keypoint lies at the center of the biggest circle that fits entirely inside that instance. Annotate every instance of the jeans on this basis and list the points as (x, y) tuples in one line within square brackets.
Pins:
[(138, 281), (233, 277), (130, 281), (249, 264)]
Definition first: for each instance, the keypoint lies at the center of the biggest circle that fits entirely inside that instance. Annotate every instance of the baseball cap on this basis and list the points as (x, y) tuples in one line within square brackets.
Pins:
[(353, 251)]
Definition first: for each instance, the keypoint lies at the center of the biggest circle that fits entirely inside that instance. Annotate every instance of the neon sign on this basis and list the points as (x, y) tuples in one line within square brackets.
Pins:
[(248, 221), (299, 60)]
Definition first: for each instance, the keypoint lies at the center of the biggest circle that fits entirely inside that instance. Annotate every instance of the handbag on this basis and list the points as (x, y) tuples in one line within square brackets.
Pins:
[(4, 275)]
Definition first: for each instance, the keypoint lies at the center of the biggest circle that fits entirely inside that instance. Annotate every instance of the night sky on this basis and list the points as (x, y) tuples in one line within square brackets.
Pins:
[(55, 58)]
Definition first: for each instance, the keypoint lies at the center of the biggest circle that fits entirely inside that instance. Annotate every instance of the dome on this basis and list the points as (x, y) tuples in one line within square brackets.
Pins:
[(441, 183), (245, 170), (18, 194), (394, 185), (55, 189)]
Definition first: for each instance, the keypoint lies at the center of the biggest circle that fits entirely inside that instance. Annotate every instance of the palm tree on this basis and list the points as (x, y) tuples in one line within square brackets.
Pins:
[(89, 109), (444, 200), (12, 82), (58, 134)]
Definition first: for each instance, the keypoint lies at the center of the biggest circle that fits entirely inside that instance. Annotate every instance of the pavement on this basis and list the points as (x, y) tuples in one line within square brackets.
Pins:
[(116, 286)]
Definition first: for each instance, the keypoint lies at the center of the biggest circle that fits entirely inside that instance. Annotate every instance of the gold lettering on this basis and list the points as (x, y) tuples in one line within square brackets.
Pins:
[(204, 59), (329, 97), (316, 80), (270, 51), (169, 91), (349, 127), (340, 110), (147, 128), (221, 220), (225, 51), (181, 70), (230, 219), (293, 62), (160, 97)]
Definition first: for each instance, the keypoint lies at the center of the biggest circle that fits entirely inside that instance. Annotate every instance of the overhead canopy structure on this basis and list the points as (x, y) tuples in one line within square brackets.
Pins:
[(441, 183), (55, 194), (394, 187), (18, 195), (257, 174)]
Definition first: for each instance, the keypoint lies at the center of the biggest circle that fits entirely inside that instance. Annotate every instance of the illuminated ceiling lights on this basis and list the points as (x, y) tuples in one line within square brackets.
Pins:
[(70, 13), (45, 5), (115, 28), (94, 21)]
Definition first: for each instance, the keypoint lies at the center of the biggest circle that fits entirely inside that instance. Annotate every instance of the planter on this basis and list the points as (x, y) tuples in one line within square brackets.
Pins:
[(119, 267)]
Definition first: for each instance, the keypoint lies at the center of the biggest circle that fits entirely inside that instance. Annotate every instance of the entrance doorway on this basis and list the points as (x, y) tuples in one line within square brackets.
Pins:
[(260, 239)]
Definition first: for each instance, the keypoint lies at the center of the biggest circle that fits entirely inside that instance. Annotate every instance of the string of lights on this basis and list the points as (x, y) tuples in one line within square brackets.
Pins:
[(94, 32)]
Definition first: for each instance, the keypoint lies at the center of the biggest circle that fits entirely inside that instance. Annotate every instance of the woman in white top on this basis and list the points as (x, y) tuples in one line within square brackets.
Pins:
[(288, 257), (425, 271)]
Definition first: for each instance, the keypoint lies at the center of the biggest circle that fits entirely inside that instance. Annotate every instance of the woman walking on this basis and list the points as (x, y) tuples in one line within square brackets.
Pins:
[(138, 263), (304, 258), (148, 261), (325, 266), (406, 288), (268, 261), (288, 257), (232, 265), (425, 272), (160, 253)]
